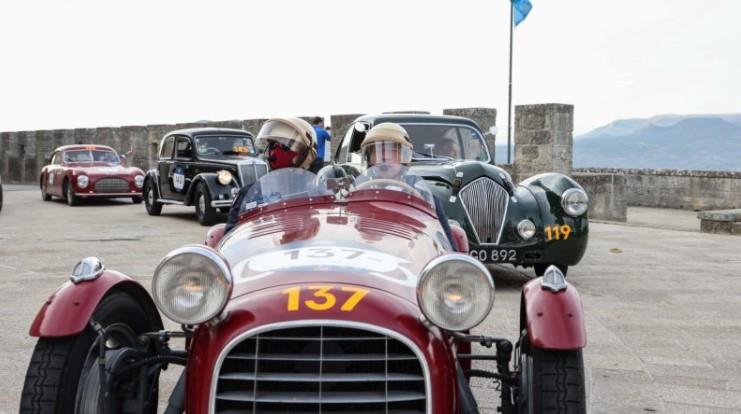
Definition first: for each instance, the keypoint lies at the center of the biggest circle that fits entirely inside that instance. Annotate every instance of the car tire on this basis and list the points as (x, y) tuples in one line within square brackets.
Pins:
[(61, 367), (150, 200), (44, 195), (202, 200), (540, 268), (555, 382), (69, 195), (137, 200)]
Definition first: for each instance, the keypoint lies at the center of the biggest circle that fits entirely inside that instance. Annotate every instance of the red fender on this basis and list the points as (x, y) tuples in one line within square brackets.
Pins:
[(459, 235), (553, 320), (69, 309)]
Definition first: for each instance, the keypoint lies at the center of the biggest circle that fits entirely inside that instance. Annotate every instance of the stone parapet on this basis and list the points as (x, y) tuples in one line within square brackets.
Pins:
[(606, 195), (543, 139), (720, 221)]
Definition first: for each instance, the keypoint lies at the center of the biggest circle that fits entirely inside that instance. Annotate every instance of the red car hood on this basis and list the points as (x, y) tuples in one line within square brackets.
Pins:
[(376, 244), (99, 169)]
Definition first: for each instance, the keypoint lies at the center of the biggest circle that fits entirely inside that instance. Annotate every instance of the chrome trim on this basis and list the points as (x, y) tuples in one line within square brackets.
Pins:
[(488, 154), (131, 194), (430, 267), (319, 322), (503, 192), (553, 280), (212, 255), (222, 203), (89, 268), (166, 201)]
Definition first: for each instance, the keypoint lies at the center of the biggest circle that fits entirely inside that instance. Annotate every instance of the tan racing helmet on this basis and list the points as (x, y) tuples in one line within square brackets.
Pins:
[(291, 139), (386, 143)]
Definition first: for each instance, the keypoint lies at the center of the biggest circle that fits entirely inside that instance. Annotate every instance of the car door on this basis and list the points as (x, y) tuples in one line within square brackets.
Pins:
[(164, 166), (55, 174), (182, 171)]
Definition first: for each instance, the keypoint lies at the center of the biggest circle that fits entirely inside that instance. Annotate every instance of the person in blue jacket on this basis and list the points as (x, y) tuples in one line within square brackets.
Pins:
[(322, 138)]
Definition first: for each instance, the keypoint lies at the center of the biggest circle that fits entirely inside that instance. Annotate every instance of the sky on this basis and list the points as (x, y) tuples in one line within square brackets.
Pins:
[(94, 63)]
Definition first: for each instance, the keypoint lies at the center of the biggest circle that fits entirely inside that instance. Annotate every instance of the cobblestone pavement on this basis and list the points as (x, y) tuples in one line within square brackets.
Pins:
[(662, 305)]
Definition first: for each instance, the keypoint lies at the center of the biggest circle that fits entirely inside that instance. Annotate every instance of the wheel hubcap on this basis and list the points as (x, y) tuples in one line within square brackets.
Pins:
[(201, 204), (150, 196)]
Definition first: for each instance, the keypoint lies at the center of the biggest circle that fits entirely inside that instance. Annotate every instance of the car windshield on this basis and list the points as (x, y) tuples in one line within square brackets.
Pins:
[(458, 142), (394, 177), (283, 185), (224, 147), (109, 157)]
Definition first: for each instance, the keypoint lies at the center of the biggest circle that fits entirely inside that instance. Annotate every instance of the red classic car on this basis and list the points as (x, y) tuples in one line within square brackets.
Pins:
[(328, 297), (89, 171)]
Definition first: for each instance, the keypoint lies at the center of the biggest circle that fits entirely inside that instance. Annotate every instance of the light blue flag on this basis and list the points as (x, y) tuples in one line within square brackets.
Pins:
[(522, 9)]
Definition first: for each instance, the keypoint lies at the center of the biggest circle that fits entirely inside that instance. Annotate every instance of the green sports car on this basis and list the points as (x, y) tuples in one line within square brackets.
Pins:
[(535, 223)]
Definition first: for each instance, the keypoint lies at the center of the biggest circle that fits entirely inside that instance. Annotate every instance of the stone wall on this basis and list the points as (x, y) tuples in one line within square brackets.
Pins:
[(686, 189), (606, 195), (543, 139), (24, 153)]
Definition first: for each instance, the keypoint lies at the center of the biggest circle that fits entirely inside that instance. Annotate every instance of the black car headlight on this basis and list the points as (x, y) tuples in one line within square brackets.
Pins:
[(455, 292), (192, 284), (575, 202), (225, 177)]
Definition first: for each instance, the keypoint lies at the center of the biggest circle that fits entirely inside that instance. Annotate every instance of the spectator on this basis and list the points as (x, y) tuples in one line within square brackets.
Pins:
[(322, 137)]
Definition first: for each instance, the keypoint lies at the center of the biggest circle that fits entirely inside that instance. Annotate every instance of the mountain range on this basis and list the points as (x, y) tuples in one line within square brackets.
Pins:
[(693, 142)]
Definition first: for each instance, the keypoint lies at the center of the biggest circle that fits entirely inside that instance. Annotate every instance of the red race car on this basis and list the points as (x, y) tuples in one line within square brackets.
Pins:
[(89, 171), (331, 295)]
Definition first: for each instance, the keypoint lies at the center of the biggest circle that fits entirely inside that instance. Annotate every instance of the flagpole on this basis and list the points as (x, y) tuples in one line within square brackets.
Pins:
[(509, 104)]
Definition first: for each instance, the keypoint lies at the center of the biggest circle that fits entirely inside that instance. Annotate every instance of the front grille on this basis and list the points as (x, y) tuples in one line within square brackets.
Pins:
[(111, 185), (486, 203), (250, 173), (321, 369)]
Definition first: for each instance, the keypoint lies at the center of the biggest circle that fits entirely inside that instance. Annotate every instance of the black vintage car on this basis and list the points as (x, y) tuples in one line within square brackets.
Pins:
[(204, 167), (535, 223)]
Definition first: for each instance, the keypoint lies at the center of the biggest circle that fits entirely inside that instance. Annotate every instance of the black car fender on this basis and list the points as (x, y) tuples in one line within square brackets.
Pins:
[(153, 177), (216, 190), (547, 190)]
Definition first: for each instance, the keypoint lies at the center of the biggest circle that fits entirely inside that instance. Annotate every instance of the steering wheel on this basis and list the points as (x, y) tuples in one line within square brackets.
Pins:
[(382, 183)]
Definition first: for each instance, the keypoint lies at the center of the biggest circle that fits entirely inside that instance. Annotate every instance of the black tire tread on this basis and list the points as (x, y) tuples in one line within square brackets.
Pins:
[(558, 382), (44, 376)]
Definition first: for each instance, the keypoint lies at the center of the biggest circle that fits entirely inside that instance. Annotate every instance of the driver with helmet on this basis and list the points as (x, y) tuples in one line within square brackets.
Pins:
[(388, 148), (286, 142)]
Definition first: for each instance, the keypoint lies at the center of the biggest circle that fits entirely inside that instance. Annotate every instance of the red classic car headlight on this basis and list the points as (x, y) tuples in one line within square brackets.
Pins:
[(192, 284), (139, 181), (455, 292), (82, 181)]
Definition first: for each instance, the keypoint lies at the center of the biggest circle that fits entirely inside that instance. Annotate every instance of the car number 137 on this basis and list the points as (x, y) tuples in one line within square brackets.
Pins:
[(494, 255)]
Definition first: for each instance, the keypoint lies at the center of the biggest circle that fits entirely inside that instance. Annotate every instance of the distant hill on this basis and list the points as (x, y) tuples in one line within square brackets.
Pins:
[(696, 142)]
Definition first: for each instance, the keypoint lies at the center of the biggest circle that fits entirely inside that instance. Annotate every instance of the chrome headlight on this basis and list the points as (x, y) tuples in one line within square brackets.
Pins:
[(82, 181), (192, 284), (575, 202), (225, 177), (526, 229), (455, 292), (139, 181)]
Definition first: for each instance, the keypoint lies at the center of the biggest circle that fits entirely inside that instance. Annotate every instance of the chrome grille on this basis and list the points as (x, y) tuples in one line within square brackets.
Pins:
[(485, 203), (112, 185), (321, 369), (249, 173)]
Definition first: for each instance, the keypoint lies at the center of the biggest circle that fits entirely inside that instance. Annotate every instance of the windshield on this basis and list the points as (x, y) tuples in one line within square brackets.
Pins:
[(109, 157), (224, 147), (394, 177), (283, 185), (456, 142)]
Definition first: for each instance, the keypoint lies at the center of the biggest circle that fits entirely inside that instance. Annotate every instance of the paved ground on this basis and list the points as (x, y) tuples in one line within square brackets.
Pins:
[(662, 305)]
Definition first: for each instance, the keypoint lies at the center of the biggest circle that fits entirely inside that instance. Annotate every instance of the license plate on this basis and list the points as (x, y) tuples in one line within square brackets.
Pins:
[(494, 255)]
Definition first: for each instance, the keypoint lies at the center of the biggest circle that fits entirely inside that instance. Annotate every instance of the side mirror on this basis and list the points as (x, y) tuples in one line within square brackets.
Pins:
[(459, 236), (214, 235), (361, 127)]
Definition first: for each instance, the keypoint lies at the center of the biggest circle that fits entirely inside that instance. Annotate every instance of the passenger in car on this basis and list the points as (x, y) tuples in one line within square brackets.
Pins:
[(285, 142), (388, 146)]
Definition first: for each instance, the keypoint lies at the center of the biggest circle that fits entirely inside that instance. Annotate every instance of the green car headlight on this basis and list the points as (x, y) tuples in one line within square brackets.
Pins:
[(575, 202)]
